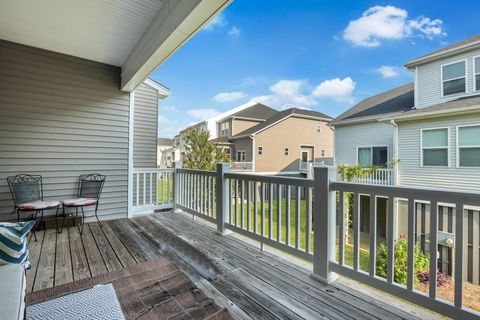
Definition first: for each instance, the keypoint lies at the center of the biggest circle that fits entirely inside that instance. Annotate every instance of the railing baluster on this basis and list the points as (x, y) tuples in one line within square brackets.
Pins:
[(373, 235), (433, 249), (308, 231), (341, 228), (298, 214), (411, 244), (144, 187), (287, 222), (356, 231), (151, 190), (242, 203), (236, 202), (279, 212), (255, 208), (459, 237), (270, 211), (138, 189), (230, 203), (392, 223), (248, 205), (262, 204)]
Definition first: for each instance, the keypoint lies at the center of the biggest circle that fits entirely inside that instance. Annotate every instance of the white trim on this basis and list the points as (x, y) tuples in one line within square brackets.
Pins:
[(131, 122), (457, 145), (163, 91), (301, 154), (442, 95), (448, 147), (371, 153), (253, 155), (415, 88), (475, 73)]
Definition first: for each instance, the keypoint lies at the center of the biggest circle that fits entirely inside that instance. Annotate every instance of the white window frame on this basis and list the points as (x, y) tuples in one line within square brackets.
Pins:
[(224, 128), (448, 147), (457, 151), (286, 152), (260, 150), (244, 152), (443, 81), (475, 73), (371, 153), (308, 155)]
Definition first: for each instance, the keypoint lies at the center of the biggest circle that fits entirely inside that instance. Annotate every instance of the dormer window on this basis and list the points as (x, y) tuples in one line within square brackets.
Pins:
[(453, 78), (224, 129), (477, 73)]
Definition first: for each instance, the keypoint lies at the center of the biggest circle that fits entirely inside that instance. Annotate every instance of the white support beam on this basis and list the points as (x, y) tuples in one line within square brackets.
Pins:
[(175, 24)]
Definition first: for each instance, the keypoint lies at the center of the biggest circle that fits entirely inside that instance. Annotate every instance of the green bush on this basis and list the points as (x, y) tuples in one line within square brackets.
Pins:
[(401, 261)]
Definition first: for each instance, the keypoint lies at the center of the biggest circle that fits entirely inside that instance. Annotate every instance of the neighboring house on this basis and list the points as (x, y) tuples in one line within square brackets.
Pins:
[(164, 152), (287, 141), (433, 129)]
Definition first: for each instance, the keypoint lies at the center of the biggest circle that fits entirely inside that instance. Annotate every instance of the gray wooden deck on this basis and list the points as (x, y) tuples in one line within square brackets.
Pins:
[(249, 282)]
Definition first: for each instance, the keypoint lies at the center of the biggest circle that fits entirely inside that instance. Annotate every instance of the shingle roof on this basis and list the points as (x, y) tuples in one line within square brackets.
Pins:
[(257, 111), (164, 142), (393, 101), (440, 52), (279, 116)]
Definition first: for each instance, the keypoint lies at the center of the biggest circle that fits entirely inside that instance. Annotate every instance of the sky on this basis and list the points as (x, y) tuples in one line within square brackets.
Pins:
[(319, 55)]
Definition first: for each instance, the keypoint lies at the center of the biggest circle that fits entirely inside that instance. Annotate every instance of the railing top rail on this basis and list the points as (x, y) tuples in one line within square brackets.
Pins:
[(301, 182), (197, 171), (141, 170), (426, 194)]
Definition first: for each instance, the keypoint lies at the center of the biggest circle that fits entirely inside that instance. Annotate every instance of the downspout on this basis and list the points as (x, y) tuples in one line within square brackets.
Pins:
[(253, 153), (395, 153)]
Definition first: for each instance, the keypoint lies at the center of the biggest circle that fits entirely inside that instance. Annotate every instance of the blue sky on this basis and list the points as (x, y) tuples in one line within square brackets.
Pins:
[(320, 55)]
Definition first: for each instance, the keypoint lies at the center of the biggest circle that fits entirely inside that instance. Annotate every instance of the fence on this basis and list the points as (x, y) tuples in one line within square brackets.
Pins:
[(152, 190), (303, 216), (380, 176), (241, 166)]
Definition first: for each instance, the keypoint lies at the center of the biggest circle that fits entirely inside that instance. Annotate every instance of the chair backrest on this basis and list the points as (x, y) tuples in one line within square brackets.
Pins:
[(90, 185), (25, 188)]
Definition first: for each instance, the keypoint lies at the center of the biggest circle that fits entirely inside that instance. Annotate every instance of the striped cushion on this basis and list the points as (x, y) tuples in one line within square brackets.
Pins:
[(38, 205), (78, 202), (13, 243)]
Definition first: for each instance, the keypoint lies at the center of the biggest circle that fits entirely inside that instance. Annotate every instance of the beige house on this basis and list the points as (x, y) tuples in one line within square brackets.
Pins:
[(287, 141)]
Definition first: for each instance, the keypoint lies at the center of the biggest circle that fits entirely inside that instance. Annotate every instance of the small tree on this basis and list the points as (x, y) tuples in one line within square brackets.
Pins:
[(200, 153)]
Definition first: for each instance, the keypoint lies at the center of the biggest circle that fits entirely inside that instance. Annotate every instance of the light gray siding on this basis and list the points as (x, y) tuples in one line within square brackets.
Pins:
[(243, 144), (61, 117), (145, 127), (349, 137), (429, 77), (412, 173)]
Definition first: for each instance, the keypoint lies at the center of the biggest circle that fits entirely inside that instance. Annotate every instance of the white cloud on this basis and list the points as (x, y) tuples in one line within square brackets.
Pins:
[(336, 89), (203, 113), (163, 119), (217, 22), (389, 23), (234, 32), (388, 71), (170, 108), (286, 93), (229, 96)]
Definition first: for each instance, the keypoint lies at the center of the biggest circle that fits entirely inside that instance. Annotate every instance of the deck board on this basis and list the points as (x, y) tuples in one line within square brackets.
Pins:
[(252, 284)]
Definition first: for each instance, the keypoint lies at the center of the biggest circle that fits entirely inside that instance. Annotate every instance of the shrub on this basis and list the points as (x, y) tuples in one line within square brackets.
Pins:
[(442, 278), (401, 261)]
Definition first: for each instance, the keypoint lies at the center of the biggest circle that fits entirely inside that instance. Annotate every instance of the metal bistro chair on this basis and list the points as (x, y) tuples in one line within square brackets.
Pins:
[(27, 195), (88, 194)]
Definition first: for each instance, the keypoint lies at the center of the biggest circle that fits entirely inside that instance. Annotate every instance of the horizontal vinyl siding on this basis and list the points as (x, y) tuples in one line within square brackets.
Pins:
[(349, 137), (145, 127), (410, 170), (61, 117), (430, 79)]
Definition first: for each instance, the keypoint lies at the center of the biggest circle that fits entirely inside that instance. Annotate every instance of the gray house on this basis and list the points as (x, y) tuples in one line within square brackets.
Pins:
[(424, 134)]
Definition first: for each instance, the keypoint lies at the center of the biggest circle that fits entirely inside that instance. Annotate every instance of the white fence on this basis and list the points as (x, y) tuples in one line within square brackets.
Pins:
[(300, 216), (152, 190), (241, 166), (380, 176)]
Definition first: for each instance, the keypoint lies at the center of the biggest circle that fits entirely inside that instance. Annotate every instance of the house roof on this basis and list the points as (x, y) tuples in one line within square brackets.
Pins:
[(196, 125), (394, 101), (222, 140), (461, 105), (164, 142), (163, 91), (281, 116), (464, 45), (257, 111)]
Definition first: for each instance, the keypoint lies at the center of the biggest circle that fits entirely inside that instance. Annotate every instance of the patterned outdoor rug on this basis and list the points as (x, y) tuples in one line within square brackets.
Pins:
[(99, 302)]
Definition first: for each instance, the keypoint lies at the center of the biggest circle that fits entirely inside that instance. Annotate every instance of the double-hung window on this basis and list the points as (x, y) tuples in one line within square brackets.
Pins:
[(454, 78), (285, 151), (476, 63), (372, 156), (435, 146), (224, 129), (468, 153), (241, 155), (260, 151)]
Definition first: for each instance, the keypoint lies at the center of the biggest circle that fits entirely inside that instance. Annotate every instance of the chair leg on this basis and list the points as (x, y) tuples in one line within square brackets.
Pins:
[(83, 220), (63, 220), (56, 220), (96, 216), (34, 218), (41, 221)]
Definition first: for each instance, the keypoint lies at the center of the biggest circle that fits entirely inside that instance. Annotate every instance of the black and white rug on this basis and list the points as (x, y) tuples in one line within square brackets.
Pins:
[(99, 302)]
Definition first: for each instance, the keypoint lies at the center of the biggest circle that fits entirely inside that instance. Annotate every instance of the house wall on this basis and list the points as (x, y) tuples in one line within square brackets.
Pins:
[(145, 127), (410, 170), (241, 125), (291, 133), (349, 137), (62, 116), (243, 144), (430, 76)]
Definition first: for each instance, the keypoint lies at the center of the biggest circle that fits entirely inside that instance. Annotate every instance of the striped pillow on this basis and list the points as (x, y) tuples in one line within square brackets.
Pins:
[(13, 243)]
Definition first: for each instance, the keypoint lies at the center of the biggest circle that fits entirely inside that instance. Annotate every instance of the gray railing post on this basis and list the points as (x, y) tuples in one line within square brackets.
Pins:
[(221, 196), (324, 221), (175, 185)]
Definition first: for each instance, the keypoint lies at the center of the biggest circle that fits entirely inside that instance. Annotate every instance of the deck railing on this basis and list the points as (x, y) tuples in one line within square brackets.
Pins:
[(380, 176), (241, 166), (152, 189), (303, 216)]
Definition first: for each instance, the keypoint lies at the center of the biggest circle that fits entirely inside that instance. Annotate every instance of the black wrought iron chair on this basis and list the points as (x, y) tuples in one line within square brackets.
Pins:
[(88, 194), (27, 195)]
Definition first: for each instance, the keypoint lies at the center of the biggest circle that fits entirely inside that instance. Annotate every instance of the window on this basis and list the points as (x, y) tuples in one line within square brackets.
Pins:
[(319, 128), (453, 78), (372, 156), (260, 151), (285, 151), (435, 144), (305, 156), (323, 153), (477, 73), (224, 128), (468, 146), (241, 155), (227, 152)]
